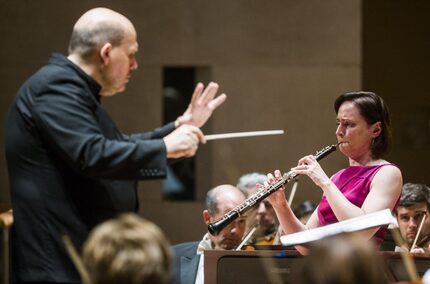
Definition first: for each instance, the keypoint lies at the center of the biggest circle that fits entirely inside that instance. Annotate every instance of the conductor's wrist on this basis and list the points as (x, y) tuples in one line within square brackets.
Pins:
[(183, 119), (177, 123)]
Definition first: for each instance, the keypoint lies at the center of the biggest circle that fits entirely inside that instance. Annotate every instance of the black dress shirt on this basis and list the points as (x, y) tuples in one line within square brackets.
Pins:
[(70, 168)]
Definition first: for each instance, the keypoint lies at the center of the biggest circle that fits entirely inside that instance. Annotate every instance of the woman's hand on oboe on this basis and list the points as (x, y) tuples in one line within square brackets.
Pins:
[(277, 199), (309, 166)]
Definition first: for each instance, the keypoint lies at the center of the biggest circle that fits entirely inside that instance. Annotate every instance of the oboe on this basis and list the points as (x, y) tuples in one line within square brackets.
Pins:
[(215, 227)]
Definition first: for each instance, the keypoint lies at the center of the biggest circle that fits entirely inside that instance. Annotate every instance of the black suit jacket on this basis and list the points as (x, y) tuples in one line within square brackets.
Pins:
[(70, 168), (186, 262)]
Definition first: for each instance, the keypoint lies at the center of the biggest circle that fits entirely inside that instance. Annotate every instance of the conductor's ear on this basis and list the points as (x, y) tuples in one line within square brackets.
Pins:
[(105, 53)]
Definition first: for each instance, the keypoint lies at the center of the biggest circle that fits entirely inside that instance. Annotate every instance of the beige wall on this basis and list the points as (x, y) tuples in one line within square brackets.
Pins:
[(281, 63)]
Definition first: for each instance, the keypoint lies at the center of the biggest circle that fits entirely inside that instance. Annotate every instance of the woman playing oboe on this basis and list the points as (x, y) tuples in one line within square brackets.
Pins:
[(369, 184)]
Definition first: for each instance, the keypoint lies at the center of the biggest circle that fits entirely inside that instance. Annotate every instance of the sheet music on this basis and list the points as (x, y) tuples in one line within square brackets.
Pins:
[(371, 220)]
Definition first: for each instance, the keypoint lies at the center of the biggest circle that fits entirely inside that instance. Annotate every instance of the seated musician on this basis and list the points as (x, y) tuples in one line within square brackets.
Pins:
[(413, 207), (369, 184), (261, 217), (188, 260)]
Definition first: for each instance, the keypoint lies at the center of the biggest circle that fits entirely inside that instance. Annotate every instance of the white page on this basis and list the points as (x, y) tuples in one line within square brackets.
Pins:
[(371, 220)]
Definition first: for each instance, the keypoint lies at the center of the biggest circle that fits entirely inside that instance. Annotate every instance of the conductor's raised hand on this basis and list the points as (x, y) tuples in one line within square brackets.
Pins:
[(183, 141), (202, 105)]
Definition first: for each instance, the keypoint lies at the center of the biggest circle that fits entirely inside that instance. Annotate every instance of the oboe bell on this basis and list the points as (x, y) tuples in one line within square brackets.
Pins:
[(215, 227)]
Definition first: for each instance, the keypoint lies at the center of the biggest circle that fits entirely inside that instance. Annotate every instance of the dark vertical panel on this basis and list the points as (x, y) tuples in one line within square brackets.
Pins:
[(396, 61), (178, 84)]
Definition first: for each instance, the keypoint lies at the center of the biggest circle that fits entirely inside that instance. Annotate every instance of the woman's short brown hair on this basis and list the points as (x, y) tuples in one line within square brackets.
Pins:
[(373, 109)]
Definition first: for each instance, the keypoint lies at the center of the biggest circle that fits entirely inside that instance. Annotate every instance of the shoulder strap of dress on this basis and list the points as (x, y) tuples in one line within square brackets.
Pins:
[(377, 168)]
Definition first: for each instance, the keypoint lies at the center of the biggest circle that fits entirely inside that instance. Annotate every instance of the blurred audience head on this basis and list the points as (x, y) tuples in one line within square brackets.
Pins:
[(127, 249), (343, 259)]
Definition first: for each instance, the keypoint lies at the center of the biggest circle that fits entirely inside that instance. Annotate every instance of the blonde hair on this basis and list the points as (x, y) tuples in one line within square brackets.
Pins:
[(128, 249)]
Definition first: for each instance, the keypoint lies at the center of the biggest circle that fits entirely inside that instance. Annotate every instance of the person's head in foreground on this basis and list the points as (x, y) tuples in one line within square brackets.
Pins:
[(127, 249), (343, 259)]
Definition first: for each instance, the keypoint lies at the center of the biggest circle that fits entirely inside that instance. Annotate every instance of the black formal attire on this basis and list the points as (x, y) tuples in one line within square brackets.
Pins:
[(186, 262), (70, 168)]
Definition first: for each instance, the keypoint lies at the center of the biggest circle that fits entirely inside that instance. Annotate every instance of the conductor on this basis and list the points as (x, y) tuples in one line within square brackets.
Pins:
[(70, 168)]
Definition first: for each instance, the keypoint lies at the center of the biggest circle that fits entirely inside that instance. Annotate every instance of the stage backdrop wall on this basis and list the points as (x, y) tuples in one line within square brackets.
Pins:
[(281, 63)]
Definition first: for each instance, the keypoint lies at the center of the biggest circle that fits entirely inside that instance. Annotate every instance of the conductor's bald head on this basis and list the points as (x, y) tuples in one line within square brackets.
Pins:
[(104, 45), (97, 27)]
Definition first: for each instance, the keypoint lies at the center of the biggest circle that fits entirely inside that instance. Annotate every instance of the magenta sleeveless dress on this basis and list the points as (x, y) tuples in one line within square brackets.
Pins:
[(354, 183)]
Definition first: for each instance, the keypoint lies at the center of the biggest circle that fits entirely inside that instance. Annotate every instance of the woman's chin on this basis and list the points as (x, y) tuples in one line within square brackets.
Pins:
[(343, 149)]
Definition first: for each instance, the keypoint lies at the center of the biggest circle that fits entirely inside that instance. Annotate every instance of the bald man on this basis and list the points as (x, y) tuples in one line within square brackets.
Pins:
[(70, 168), (188, 264)]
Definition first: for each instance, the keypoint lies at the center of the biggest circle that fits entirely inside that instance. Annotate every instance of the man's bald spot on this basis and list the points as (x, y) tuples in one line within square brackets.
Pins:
[(102, 15), (224, 190), (97, 27)]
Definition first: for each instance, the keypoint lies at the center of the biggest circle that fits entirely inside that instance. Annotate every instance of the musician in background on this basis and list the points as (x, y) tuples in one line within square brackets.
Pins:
[(262, 217), (188, 263), (304, 210), (369, 184), (413, 207)]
